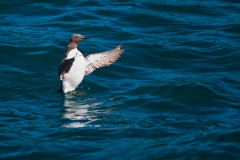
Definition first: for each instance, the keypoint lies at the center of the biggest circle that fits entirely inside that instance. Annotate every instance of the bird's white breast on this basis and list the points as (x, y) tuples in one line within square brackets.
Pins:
[(73, 53), (76, 73)]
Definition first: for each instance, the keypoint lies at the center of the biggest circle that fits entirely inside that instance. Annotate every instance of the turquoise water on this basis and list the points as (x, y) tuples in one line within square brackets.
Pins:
[(173, 94)]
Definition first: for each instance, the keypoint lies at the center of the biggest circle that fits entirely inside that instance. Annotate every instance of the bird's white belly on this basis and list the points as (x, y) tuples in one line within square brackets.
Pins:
[(75, 75)]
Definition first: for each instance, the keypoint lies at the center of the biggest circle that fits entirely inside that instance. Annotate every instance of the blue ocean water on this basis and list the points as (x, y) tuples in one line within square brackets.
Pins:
[(173, 94)]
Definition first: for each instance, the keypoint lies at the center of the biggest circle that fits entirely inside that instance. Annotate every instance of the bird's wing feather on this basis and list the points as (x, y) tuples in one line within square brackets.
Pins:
[(97, 60), (65, 66)]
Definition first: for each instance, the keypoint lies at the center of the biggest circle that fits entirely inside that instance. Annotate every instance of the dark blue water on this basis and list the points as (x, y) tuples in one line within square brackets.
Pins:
[(173, 94)]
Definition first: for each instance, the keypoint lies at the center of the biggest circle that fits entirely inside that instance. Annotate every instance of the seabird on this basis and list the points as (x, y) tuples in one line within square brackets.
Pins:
[(74, 66)]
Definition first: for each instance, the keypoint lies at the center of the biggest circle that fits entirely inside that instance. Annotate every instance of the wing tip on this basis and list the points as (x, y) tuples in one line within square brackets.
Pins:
[(120, 47)]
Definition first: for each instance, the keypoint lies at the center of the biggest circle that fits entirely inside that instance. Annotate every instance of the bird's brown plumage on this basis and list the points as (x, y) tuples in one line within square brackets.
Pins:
[(66, 64), (72, 44)]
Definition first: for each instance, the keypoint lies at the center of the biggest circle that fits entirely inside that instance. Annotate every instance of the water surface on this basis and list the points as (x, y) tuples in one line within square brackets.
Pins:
[(174, 93)]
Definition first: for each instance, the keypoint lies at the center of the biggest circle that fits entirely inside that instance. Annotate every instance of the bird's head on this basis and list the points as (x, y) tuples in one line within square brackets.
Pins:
[(77, 38)]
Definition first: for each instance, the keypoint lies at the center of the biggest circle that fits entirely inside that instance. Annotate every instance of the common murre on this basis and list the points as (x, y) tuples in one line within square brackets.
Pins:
[(75, 66)]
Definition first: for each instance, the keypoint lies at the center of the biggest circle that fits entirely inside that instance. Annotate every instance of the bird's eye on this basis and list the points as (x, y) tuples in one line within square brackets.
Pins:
[(76, 36)]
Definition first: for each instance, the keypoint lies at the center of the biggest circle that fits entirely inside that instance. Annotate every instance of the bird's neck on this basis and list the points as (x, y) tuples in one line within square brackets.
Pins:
[(71, 45)]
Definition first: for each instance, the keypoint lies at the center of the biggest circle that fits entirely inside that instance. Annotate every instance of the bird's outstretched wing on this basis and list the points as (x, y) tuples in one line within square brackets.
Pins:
[(97, 60), (64, 67)]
